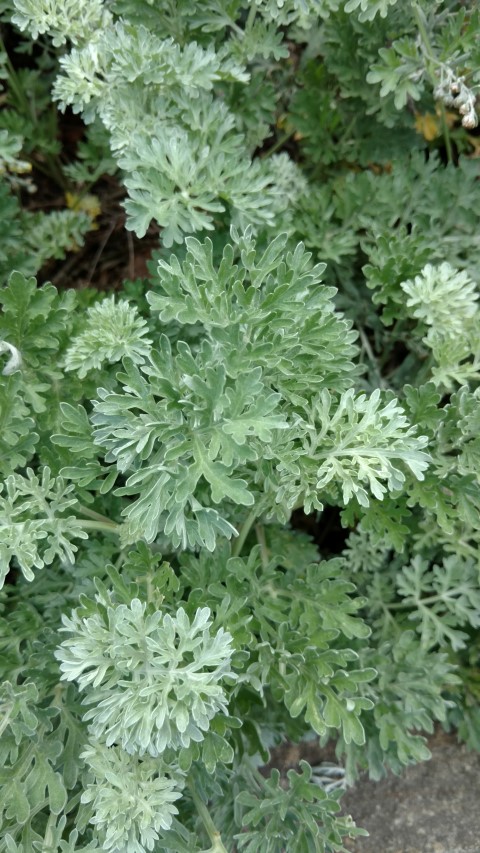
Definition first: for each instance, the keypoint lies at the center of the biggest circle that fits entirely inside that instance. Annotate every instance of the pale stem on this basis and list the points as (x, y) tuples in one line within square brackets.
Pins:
[(106, 526), (90, 513), (205, 817), (278, 144), (244, 531), (371, 357), (6, 719), (251, 15), (260, 531)]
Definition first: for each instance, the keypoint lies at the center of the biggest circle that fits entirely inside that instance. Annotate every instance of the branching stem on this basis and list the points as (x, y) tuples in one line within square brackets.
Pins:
[(429, 599), (371, 357), (205, 817)]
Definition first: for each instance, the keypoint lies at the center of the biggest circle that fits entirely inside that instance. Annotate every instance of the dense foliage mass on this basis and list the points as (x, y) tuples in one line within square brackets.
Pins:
[(308, 338)]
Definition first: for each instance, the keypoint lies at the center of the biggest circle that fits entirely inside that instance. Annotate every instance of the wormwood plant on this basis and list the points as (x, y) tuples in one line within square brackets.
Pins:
[(164, 620)]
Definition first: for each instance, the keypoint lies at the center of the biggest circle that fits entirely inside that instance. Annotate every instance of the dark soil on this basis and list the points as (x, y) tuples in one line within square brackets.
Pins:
[(110, 253)]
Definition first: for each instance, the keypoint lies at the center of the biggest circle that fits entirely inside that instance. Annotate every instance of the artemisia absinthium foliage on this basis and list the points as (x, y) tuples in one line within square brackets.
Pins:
[(308, 339)]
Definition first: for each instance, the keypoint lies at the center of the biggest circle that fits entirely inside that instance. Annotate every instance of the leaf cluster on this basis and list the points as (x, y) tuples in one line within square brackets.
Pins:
[(308, 357)]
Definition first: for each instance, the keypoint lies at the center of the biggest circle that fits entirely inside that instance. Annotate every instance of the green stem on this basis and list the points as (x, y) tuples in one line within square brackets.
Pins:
[(53, 167), (48, 835), (236, 29), (54, 170), (430, 55), (4, 723), (14, 82), (446, 133), (205, 817), (120, 560), (260, 531), (251, 15), (371, 357), (90, 513), (107, 527), (421, 24), (244, 531), (278, 144), (421, 602)]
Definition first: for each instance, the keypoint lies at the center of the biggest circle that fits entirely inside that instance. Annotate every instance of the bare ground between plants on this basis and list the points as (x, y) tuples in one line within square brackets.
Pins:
[(433, 807)]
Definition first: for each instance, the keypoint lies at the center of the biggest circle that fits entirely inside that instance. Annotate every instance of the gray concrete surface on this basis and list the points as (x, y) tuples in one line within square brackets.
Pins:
[(433, 807)]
